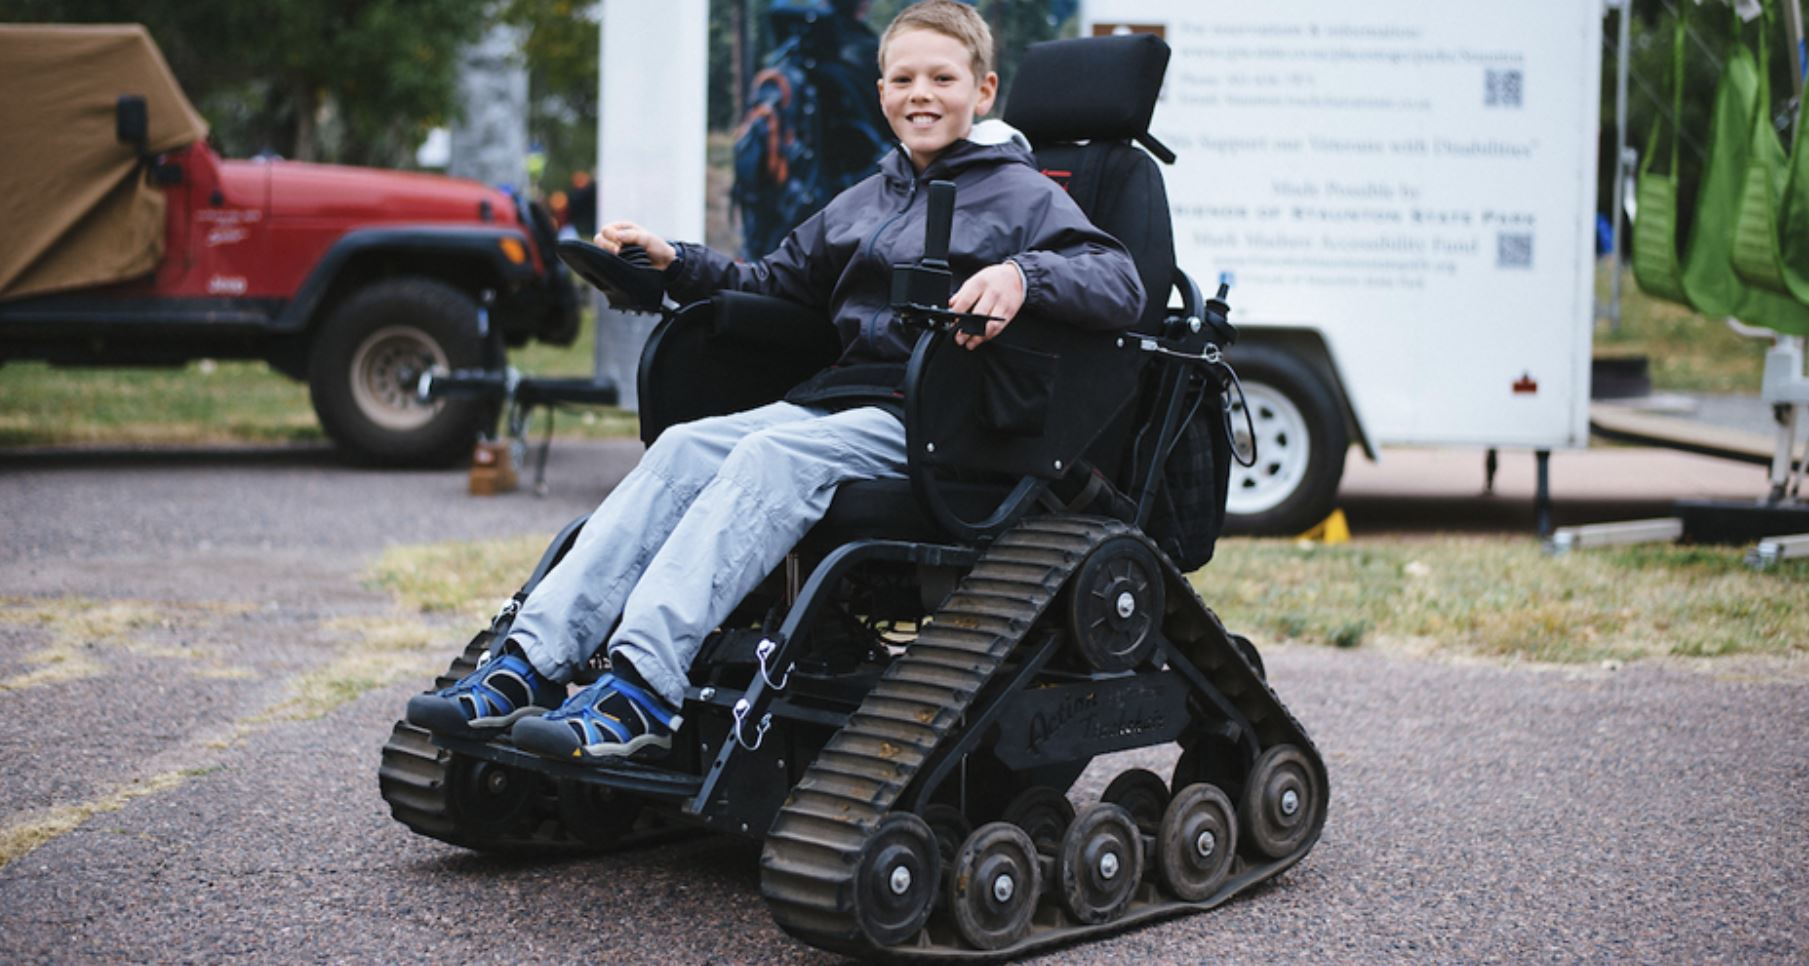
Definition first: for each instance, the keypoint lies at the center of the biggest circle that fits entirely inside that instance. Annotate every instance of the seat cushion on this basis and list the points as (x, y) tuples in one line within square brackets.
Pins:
[(885, 509)]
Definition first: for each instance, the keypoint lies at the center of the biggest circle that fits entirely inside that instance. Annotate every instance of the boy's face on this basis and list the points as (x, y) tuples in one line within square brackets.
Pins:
[(929, 93)]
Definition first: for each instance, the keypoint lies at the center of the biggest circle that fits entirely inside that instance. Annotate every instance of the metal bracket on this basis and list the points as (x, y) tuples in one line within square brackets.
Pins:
[(509, 609), (817, 593), (1773, 549), (739, 714), (764, 652), (1661, 530)]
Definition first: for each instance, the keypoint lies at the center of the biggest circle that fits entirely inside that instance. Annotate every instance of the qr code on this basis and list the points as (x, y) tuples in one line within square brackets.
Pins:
[(1502, 88), (1514, 250)]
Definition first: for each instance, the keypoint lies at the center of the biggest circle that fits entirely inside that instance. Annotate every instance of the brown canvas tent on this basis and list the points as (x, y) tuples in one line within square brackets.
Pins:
[(73, 200)]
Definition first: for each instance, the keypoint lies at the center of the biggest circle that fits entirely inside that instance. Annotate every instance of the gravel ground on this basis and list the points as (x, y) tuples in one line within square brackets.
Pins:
[(1479, 811)]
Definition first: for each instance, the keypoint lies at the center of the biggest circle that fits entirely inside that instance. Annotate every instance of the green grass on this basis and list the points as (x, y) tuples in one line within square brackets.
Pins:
[(247, 402), (1686, 352), (203, 402), (469, 578), (1491, 597), (1507, 598), (208, 402)]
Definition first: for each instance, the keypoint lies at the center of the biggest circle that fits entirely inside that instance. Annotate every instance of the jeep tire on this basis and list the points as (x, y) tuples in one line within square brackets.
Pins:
[(369, 355), (1301, 441)]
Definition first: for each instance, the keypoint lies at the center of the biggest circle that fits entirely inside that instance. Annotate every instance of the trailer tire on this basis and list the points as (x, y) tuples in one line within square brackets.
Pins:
[(1301, 441), (364, 363)]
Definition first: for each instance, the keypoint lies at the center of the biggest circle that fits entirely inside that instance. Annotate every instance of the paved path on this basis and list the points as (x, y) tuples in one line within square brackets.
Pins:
[(1436, 490), (1479, 811)]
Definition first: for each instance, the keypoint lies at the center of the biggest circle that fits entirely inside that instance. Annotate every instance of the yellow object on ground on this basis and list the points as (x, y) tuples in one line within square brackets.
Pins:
[(1332, 529)]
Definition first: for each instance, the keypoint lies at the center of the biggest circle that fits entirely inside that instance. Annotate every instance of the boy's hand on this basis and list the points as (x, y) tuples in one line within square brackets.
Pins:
[(993, 290), (618, 233)]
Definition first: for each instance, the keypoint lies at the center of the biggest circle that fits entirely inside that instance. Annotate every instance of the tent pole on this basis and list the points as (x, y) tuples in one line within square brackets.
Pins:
[(1793, 27), (1616, 206), (1784, 362)]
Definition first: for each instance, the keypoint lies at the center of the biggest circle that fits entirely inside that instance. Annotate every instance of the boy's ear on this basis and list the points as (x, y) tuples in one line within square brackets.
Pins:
[(989, 89)]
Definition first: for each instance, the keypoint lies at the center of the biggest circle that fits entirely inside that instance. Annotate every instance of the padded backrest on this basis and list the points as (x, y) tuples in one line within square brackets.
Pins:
[(1121, 191), (1117, 185), (1089, 89)]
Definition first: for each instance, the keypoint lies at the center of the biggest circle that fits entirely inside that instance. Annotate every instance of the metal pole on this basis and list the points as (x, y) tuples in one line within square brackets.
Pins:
[(743, 53), (1542, 494), (1787, 414), (1617, 209), (1793, 26)]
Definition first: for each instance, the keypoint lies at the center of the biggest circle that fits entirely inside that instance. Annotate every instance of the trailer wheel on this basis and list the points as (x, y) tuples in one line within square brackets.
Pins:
[(1300, 444), (365, 363)]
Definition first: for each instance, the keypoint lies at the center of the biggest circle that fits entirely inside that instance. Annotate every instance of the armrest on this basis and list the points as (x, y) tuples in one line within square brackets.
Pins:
[(764, 321), (1025, 406), (726, 354)]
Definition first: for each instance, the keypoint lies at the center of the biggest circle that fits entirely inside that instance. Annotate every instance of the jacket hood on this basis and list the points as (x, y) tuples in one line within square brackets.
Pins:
[(990, 142)]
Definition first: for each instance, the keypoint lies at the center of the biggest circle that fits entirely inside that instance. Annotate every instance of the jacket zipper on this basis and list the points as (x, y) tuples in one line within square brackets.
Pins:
[(868, 328)]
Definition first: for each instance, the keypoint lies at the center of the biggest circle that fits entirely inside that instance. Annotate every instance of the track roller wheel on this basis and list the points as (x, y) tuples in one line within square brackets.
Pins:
[(1282, 802), (1100, 864), (1247, 648), (993, 886), (1141, 792), (950, 827), (596, 815), (895, 880), (487, 801), (1043, 813), (1197, 842), (1215, 758), (1115, 605)]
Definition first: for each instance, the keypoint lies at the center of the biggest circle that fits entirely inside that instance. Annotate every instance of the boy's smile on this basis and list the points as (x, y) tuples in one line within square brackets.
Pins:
[(929, 93)]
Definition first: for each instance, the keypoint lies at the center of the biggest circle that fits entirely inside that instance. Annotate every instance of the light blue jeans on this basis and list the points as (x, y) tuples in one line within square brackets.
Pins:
[(713, 507)]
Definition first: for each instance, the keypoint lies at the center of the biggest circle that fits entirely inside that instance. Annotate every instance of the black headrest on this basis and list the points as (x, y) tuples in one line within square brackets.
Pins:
[(1092, 88)]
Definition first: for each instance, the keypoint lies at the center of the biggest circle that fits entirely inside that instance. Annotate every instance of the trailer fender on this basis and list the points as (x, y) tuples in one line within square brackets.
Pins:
[(1310, 346)]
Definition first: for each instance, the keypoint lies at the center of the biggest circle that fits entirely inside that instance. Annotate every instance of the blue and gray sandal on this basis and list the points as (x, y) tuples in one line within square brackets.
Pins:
[(504, 689), (611, 719)]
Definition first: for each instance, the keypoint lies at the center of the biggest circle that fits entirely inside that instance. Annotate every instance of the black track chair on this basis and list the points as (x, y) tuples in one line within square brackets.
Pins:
[(898, 712)]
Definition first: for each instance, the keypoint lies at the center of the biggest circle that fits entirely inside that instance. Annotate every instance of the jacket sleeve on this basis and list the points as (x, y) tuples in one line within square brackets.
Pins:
[(799, 270), (1075, 272)]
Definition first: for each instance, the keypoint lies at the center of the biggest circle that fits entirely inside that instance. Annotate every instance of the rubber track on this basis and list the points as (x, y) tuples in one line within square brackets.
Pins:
[(807, 867), (414, 771)]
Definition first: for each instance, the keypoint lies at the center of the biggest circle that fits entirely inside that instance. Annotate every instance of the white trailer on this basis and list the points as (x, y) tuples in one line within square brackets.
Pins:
[(1402, 194)]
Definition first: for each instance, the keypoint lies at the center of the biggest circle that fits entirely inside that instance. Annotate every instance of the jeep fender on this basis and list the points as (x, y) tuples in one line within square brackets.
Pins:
[(351, 259)]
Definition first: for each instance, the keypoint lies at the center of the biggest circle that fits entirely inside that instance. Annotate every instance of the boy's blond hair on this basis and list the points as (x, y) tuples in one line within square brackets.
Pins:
[(951, 18)]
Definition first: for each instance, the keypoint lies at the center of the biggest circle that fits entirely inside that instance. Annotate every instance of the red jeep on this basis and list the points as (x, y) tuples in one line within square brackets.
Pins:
[(134, 243)]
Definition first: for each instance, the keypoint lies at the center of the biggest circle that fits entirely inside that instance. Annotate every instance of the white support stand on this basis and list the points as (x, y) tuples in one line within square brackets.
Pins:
[(1786, 387), (1661, 530), (1773, 549)]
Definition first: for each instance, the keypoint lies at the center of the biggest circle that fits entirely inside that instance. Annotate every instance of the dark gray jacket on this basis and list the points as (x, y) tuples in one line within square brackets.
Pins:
[(840, 260)]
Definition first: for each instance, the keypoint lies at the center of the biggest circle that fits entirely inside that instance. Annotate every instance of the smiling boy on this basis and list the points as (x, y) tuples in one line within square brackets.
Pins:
[(716, 504)]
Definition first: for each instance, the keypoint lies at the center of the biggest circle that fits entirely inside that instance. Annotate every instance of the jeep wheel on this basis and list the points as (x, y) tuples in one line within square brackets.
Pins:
[(370, 354), (1300, 444)]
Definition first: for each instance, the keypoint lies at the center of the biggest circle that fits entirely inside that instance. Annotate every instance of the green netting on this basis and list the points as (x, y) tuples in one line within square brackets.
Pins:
[(1756, 256), (1771, 232), (1656, 233), (1655, 265), (1709, 279)]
